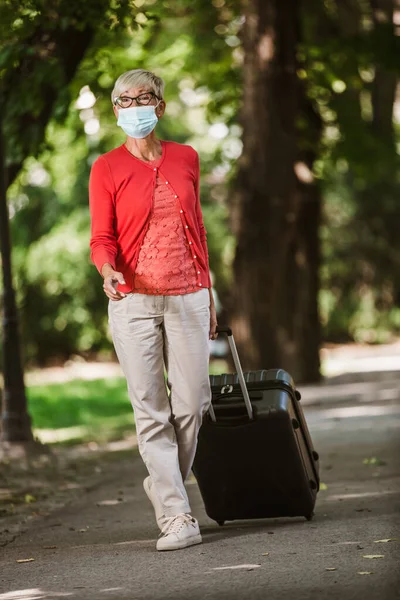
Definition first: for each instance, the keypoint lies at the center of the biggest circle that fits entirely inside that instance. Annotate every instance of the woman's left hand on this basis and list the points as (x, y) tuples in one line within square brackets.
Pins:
[(213, 322)]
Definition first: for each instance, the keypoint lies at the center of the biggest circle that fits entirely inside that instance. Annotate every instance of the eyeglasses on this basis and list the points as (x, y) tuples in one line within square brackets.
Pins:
[(141, 100)]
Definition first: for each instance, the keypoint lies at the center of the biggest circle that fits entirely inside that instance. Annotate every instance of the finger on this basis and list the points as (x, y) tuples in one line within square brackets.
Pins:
[(120, 278), (113, 297), (112, 290), (112, 293)]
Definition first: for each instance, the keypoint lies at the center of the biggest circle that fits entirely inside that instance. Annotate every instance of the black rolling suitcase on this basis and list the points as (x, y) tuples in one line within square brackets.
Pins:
[(255, 457)]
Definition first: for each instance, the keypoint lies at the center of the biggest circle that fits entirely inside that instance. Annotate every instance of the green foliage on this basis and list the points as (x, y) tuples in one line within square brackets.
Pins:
[(53, 52), (63, 308), (42, 44), (351, 64)]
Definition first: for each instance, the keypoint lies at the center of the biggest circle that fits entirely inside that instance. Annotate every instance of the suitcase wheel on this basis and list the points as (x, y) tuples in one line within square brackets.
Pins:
[(309, 517), (315, 455), (221, 523), (298, 395)]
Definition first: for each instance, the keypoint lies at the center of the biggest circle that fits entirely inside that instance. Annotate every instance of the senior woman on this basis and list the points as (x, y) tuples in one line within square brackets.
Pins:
[(149, 243)]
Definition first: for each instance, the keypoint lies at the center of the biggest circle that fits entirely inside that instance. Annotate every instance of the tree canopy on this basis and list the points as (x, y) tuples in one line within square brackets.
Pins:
[(58, 62)]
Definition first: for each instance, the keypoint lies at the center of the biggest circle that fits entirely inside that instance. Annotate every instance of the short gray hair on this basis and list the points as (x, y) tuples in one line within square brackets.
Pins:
[(138, 78)]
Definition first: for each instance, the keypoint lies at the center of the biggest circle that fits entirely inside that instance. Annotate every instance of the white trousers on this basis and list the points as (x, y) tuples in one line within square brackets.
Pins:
[(150, 332)]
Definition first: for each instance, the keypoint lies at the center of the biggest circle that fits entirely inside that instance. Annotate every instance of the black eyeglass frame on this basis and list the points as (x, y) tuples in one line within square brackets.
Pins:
[(136, 98)]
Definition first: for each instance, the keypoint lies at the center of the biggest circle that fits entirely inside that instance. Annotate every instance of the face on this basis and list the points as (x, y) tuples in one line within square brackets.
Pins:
[(140, 96)]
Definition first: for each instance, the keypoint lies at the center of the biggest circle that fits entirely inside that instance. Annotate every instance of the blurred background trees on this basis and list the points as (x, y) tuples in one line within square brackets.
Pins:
[(294, 108)]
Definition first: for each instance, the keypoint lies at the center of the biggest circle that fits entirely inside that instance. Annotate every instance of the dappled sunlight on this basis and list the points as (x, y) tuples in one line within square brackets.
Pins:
[(367, 391), (73, 369), (126, 444), (246, 567), (33, 594), (135, 542), (108, 502), (63, 434), (360, 495), (344, 412), (303, 173), (352, 358), (266, 48), (38, 594)]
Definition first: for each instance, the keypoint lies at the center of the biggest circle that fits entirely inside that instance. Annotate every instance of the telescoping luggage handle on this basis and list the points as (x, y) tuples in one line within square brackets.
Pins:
[(239, 370)]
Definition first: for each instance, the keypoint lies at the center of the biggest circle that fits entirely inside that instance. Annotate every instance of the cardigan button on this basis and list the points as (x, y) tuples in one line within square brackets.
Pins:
[(181, 211), (195, 256), (198, 272), (200, 284), (190, 242), (166, 183), (176, 196), (155, 169), (187, 226)]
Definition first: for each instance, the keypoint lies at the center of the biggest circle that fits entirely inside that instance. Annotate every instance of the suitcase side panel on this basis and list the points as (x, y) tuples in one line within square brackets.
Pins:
[(254, 470), (282, 400), (313, 455), (269, 394)]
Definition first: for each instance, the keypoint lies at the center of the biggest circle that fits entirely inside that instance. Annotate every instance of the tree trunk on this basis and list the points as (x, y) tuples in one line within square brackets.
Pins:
[(275, 204), (15, 421), (381, 218), (30, 131), (385, 81)]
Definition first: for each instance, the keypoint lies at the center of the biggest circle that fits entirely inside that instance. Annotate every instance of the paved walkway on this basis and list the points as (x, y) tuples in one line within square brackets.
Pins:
[(102, 544), (342, 360)]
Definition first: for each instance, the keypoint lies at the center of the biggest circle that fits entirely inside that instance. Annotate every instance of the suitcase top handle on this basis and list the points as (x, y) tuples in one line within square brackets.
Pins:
[(236, 360), (226, 330)]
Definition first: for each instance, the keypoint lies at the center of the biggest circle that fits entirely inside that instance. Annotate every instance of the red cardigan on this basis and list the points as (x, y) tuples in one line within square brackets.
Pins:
[(121, 190)]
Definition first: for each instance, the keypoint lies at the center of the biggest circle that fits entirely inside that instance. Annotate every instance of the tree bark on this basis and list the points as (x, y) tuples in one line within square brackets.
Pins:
[(385, 81), (381, 218), (15, 421), (30, 132), (275, 203)]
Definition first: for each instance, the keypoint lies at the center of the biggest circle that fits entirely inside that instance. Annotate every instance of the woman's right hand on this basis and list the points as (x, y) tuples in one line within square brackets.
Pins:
[(111, 279)]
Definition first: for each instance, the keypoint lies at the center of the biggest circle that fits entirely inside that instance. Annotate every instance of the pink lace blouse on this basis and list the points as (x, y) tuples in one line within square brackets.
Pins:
[(165, 265)]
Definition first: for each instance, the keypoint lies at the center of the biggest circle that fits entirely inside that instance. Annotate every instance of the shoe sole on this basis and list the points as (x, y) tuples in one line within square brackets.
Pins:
[(192, 541)]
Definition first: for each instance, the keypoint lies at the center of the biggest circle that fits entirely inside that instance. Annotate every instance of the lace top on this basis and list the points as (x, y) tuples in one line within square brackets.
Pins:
[(165, 265)]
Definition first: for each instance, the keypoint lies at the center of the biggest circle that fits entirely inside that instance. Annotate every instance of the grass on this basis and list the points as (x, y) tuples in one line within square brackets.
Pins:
[(82, 410), (78, 402), (99, 409)]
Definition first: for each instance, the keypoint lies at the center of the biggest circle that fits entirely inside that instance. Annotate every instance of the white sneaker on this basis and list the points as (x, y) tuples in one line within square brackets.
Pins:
[(158, 509), (180, 531)]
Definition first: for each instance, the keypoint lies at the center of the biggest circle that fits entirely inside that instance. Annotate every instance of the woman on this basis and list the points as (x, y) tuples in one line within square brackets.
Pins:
[(149, 243)]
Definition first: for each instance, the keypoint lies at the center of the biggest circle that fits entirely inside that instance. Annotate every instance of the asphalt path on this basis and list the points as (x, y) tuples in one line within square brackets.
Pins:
[(102, 544)]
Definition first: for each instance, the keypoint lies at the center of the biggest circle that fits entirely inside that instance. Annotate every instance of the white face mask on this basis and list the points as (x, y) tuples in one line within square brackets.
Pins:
[(137, 121)]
